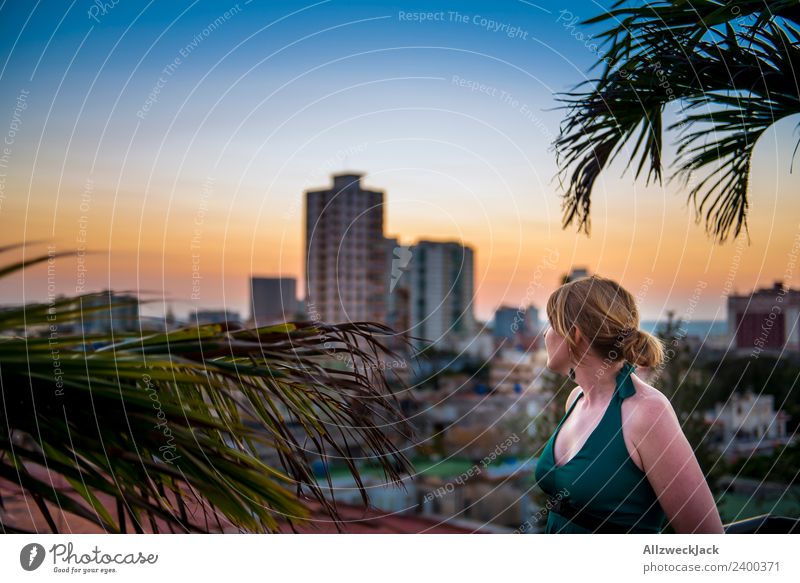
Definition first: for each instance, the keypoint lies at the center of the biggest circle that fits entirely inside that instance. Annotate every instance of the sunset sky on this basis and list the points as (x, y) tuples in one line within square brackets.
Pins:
[(171, 122)]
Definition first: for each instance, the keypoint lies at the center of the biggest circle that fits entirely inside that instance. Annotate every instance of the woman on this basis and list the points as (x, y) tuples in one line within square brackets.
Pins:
[(618, 461)]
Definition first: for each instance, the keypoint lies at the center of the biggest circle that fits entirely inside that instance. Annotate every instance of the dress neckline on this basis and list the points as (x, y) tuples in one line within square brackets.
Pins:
[(623, 387)]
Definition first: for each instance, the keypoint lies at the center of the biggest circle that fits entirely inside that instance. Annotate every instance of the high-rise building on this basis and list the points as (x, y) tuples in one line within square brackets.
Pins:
[(441, 298), (272, 300), (346, 279)]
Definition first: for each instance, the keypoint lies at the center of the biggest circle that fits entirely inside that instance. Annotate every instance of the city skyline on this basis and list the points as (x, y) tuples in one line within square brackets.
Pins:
[(191, 155), (549, 271)]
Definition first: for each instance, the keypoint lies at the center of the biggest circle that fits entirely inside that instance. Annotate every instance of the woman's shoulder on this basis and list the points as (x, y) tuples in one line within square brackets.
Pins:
[(644, 408)]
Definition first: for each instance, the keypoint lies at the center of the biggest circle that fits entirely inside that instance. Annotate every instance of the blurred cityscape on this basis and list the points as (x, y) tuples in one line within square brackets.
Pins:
[(478, 394)]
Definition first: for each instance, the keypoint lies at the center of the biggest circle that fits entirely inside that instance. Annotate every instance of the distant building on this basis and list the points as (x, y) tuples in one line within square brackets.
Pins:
[(765, 320), (532, 323), (470, 422), (108, 311), (748, 424), (442, 293), (346, 278), (506, 322), (272, 300), (479, 345), (201, 317), (511, 323), (512, 371), (576, 273)]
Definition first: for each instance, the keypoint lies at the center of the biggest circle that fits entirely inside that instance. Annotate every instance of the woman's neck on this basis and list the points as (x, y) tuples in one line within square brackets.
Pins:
[(597, 381)]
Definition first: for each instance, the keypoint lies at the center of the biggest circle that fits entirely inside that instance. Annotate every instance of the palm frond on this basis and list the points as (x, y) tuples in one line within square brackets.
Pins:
[(170, 422), (733, 85)]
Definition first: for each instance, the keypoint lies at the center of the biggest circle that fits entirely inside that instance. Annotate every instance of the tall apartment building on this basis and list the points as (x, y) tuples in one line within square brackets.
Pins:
[(441, 293), (346, 279), (272, 300)]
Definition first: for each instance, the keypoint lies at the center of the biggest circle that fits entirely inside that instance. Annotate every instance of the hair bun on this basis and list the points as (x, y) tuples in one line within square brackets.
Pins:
[(607, 314)]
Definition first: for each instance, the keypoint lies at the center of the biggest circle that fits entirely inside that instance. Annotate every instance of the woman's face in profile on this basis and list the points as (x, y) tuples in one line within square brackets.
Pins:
[(557, 351)]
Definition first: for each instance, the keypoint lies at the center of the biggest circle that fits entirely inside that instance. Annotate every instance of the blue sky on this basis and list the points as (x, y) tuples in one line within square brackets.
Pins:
[(452, 117), (257, 62)]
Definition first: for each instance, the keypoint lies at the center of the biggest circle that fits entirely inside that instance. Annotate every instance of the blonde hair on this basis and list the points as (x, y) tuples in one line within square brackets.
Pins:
[(606, 314)]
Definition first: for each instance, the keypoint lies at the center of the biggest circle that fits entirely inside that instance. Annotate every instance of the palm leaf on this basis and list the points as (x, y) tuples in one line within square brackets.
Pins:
[(734, 81), (169, 425)]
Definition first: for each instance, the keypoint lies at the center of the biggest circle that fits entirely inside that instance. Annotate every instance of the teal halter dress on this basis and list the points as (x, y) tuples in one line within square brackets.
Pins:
[(601, 483)]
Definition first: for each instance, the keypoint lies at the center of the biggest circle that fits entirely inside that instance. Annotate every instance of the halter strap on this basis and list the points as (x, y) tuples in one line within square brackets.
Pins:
[(625, 386)]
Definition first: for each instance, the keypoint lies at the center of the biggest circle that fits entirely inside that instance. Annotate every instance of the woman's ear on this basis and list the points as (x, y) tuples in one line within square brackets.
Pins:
[(577, 336)]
